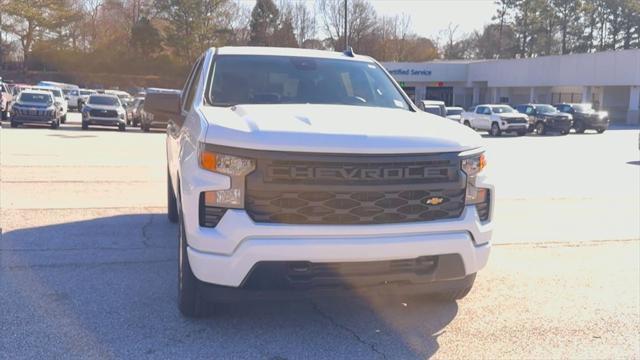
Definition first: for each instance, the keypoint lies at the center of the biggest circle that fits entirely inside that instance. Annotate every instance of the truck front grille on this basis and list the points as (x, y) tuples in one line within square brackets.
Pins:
[(335, 189), (103, 113)]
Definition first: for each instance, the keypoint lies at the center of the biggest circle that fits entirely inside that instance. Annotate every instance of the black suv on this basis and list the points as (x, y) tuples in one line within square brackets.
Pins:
[(585, 117), (544, 118)]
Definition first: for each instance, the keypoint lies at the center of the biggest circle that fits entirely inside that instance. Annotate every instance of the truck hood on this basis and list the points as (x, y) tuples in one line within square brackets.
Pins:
[(512, 116), (335, 129)]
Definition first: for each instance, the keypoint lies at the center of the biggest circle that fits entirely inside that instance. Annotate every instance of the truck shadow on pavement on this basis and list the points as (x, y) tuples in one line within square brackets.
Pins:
[(106, 287)]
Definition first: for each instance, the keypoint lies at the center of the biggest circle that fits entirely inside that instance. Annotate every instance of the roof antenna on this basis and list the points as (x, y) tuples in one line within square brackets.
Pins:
[(349, 52)]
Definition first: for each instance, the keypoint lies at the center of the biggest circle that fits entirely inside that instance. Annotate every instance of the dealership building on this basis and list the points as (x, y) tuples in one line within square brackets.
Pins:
[(610, 80)]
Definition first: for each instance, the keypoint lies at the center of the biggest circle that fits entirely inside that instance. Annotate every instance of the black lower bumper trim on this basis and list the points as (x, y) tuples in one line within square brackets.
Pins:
[(224, 294), (301, 279)]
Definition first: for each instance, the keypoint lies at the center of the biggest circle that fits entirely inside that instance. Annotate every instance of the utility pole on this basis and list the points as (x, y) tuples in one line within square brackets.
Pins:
[(346, 38)]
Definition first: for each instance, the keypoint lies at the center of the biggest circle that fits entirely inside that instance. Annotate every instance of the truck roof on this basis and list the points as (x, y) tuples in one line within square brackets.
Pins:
[(280, 51)]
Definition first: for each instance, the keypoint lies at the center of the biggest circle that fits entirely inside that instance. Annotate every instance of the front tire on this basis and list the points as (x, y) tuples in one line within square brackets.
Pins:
[(467, 123), (579, 127), (122, 127), (495, 129), (540, 128), (14, 124), (521, 133), (190, 301), (63, 119), (145, 127), (600, 131), (55, 124), (85, 125)]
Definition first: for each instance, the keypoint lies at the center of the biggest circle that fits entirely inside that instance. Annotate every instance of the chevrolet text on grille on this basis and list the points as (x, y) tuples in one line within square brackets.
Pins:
[(352, 173)]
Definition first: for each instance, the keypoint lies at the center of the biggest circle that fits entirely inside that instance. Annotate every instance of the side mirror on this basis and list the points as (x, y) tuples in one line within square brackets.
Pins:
[(165, 106)]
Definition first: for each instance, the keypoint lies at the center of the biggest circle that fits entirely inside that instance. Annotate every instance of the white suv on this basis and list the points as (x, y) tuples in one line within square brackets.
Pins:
[(296, 172), (59, 100)]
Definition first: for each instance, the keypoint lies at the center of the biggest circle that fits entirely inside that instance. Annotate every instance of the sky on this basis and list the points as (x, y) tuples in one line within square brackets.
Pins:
[(430, 17)]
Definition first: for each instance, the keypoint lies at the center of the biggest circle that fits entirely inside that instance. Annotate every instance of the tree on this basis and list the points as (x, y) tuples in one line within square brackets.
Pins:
[(145, 38), (568, 13), (284, 35), (264, 23), (194, 25), (29, 20)]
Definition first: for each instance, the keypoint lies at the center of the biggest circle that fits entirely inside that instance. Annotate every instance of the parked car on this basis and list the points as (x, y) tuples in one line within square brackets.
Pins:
[(69, 91), (136, 108), (496, 119), (147, 119), (455, 113), (427, 105), (585, 117), (544, 118), (333, 184), (16, 89), (84, 97), (104, 110), (35, 107), (6, 98), (59, 100)]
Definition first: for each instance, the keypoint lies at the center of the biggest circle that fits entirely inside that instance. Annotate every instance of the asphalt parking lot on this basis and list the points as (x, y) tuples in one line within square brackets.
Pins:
[(88, 262)]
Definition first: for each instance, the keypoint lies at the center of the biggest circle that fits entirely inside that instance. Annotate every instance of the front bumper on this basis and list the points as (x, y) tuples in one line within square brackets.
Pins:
[(596, 123), (514, 127), (226, 254), (92, 120), (27, 119)]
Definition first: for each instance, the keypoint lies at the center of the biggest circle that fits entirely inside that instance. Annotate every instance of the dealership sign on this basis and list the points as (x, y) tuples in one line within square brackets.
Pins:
[(410, 72)]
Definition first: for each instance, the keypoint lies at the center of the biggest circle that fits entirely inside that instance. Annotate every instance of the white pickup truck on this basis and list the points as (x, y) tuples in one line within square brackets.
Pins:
[(496, 119), (294, 170)]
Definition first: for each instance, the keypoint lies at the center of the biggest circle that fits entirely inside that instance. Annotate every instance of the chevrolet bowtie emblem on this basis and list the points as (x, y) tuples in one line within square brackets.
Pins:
[(434, 201)]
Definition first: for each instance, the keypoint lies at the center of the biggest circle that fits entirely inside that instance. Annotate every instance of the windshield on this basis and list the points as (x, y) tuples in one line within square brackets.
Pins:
[(454, 111), (104, 100), (295, 80), (35, 98), (546, 109), (502, 109), (584, 108)]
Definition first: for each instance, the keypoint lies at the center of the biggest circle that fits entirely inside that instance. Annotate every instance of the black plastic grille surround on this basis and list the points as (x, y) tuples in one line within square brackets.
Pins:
[(103, 113), (209, 216), (348, 190), (484, 208)]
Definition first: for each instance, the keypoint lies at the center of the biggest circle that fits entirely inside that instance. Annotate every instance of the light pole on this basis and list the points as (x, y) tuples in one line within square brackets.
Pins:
[(346, 38)]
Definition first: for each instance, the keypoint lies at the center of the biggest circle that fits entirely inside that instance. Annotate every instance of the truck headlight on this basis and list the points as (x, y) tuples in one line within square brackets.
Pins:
[(472, 167), (237, 168)]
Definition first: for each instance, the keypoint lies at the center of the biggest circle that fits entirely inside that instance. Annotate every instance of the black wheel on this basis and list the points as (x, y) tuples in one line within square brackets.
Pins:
[(4, 115), (55, 124), (495, 129), (521, 133), (63, 119), (564, 132), (122, 127), (467, 123), (172, 202), (85, 125), (190, 301), (145, 127), (14, 124), (128, 122), (457, 294), (600, 131), (540, 128), (578, 126)]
